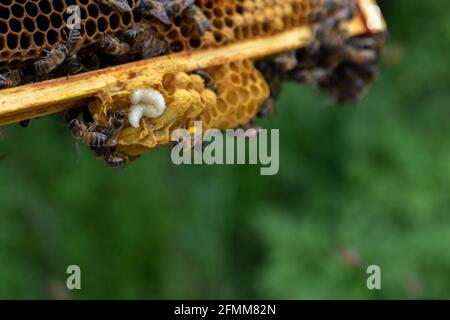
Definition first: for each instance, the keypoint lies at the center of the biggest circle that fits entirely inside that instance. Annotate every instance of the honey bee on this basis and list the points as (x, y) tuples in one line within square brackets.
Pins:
[(196, 14), (111, 157), (153, 47), (373, 42), (94, 135), (359, 56), (145, 41), (116, 122), (209, 82), (71, 65), (266, 109), (313, 76), (177, 7), (351, 81), (326, 22), (114, 159), (287, 61), (75, 41), (52, 59), (137, 33), (89, 59), (165, 10), (155, 9), (113, 46), (119, 5), (86, 133), (10, 79), (364, 49)]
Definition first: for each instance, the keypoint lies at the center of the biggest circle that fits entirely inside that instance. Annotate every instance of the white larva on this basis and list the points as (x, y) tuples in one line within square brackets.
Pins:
[(145, 102), (137, 95)]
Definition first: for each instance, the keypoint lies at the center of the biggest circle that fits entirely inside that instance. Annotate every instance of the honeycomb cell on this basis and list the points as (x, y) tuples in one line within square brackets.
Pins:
[(93, 10), (102, 24), (45, 6), (39, 39), (58, 6), (25, 41), (114, 21), (56, 20), (31, 9), (91, 28), (4, 13), (28, 24), (52, 37), (43, 23), (3, 27), (17, 11), (12, 40)]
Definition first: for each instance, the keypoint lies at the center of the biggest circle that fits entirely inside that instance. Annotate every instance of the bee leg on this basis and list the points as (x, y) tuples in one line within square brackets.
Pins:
[(115, 159)]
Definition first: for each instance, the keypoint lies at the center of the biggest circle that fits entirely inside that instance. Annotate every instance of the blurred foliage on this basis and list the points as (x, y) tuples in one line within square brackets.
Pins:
[(357, 186)]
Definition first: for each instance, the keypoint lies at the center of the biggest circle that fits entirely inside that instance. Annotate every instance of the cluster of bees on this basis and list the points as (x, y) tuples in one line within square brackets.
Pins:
[(140, 41), (100, 139), (334, 62)]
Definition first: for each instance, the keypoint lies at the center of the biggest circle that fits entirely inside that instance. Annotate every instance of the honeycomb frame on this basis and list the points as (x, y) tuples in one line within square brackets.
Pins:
[(29, 26), (242, 88)]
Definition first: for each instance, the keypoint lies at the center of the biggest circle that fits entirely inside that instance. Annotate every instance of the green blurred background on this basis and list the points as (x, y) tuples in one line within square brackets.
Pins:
[(357, 186)]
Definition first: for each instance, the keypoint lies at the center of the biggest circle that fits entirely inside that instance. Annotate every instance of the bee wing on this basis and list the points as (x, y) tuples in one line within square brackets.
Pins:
[(76, 44), (76, 152), (200, 19), (160, 13), (186, 3), (121, 5), (203, 23)]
